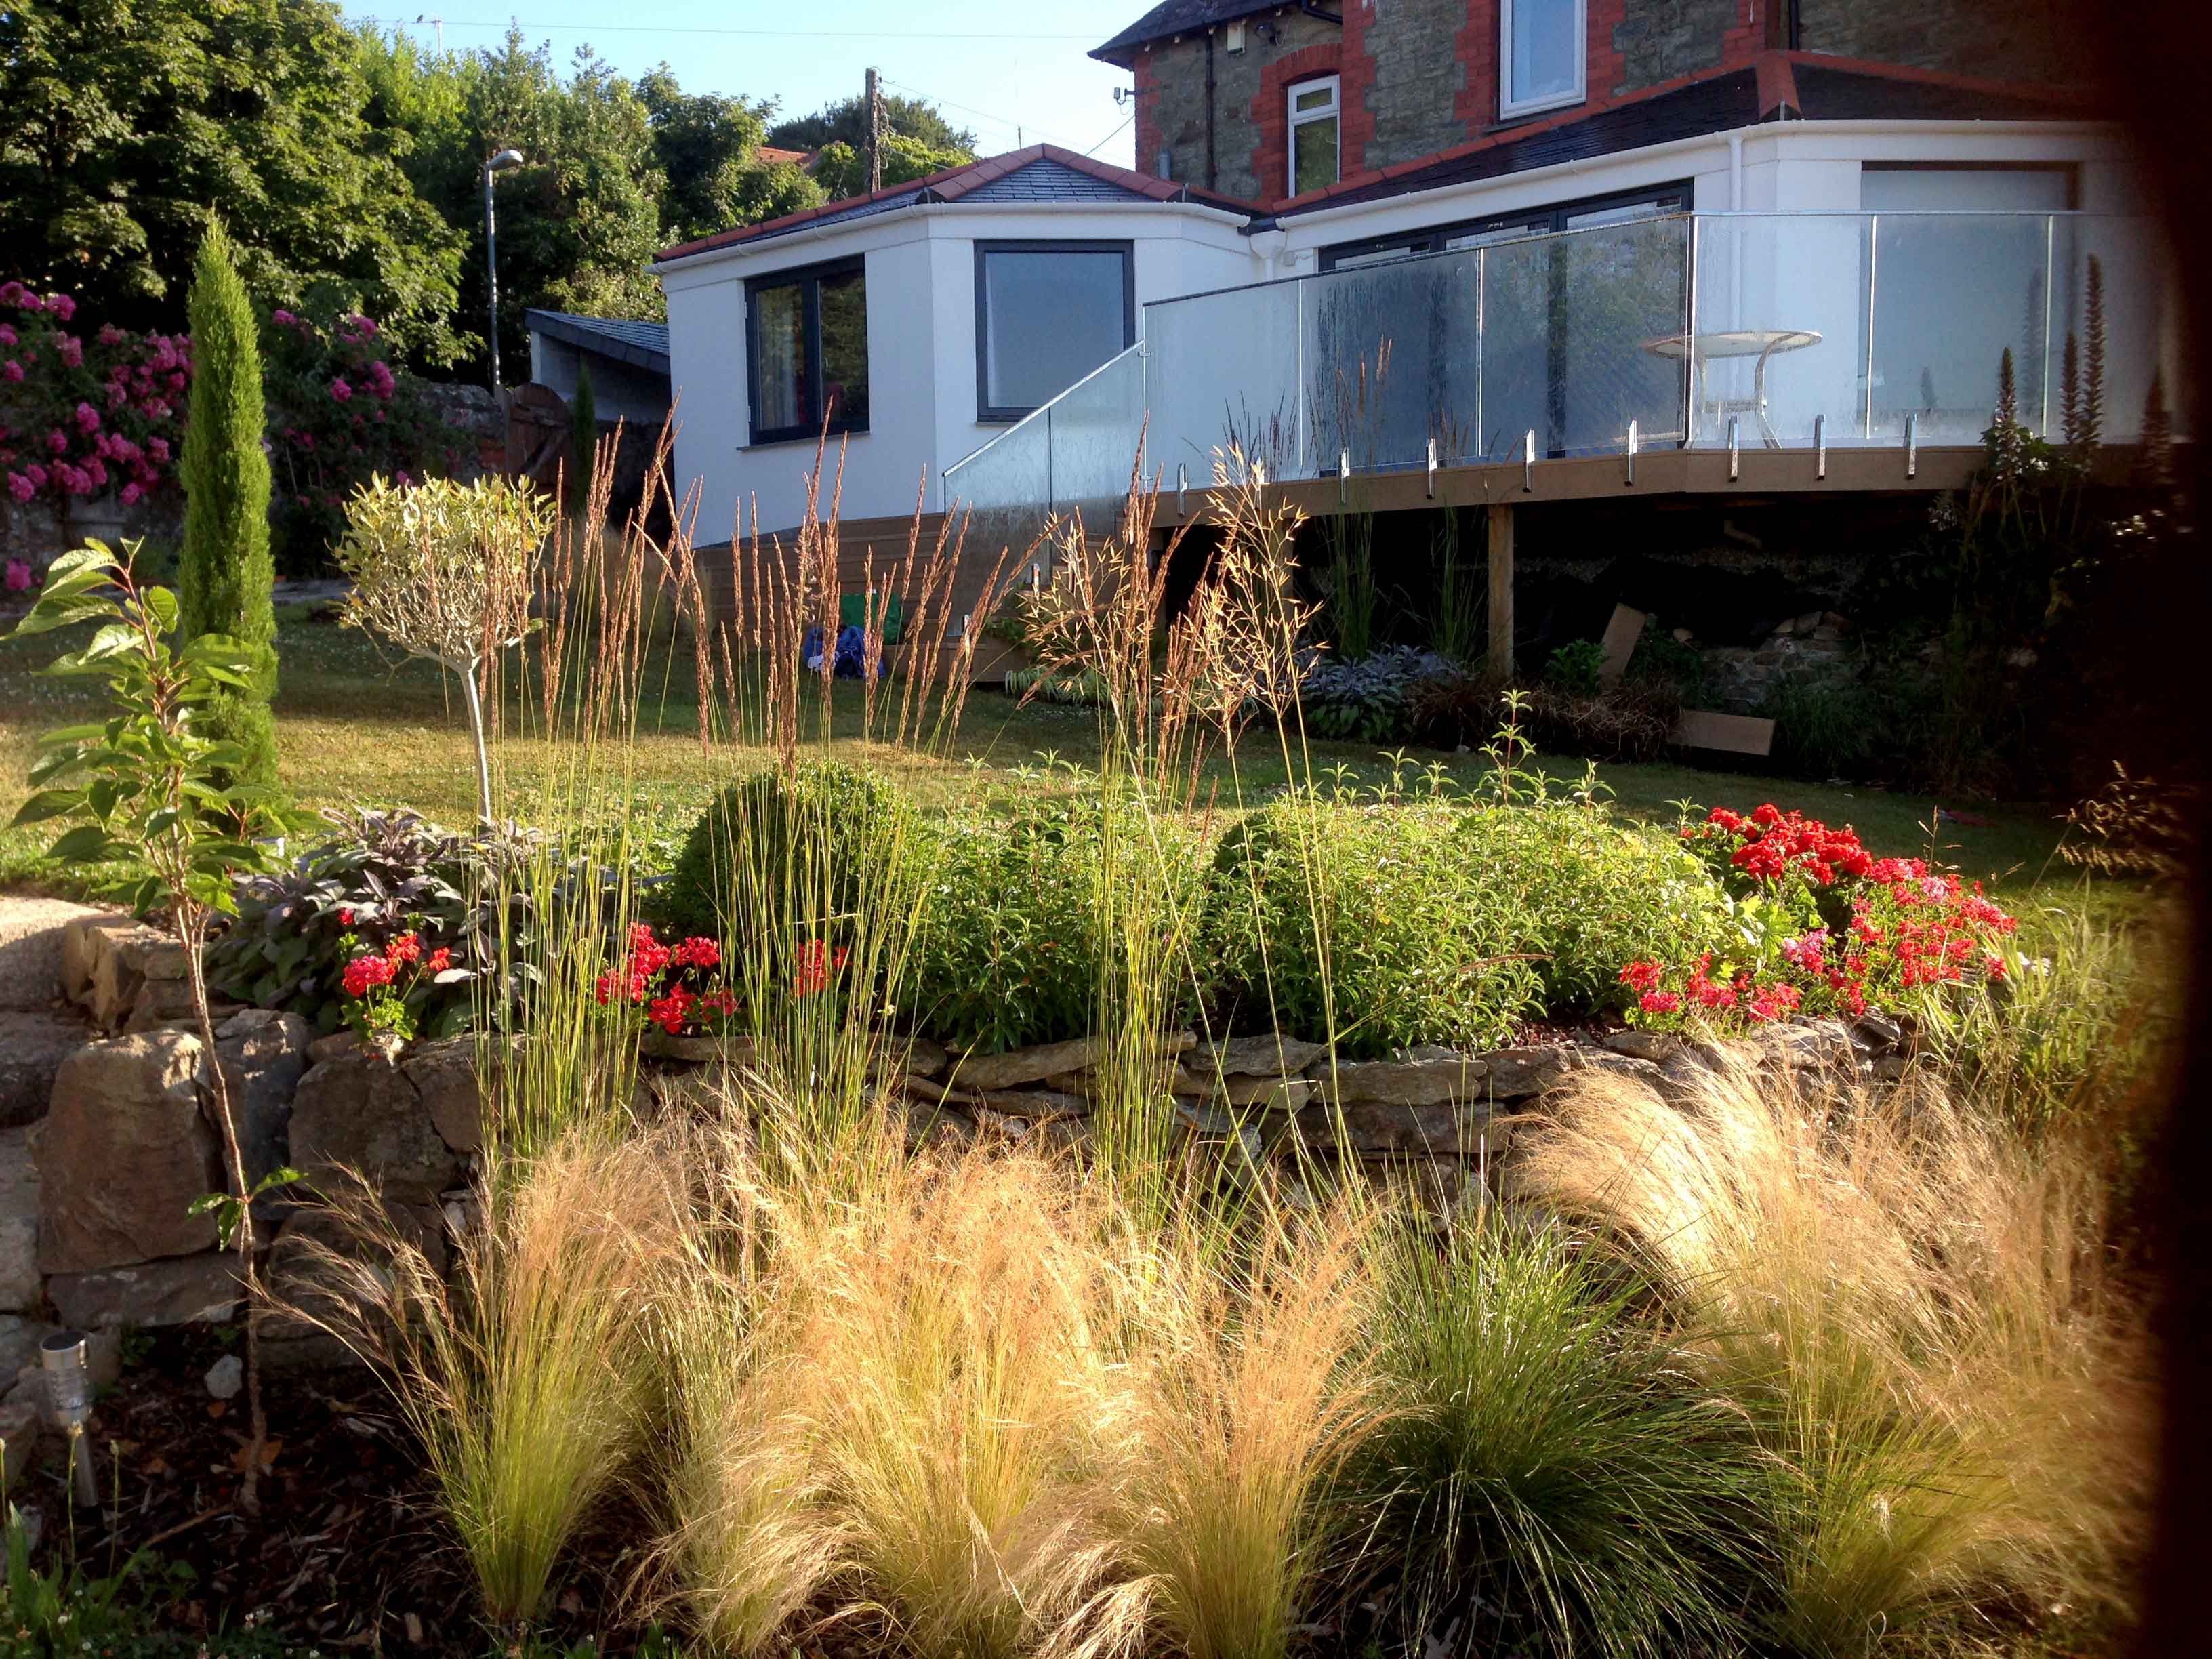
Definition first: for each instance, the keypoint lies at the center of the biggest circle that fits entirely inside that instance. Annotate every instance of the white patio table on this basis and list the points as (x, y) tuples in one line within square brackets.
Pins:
[(1759, 343)]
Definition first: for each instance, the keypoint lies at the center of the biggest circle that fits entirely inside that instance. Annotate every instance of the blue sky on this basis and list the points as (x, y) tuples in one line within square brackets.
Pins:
[(1013, 70)]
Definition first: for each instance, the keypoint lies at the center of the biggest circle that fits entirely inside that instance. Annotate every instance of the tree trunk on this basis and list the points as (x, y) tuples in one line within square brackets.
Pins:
[(191, 930)]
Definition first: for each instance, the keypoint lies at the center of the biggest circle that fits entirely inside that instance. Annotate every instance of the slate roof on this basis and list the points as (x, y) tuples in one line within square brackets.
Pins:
[(1042, 173), (645, 345), (1174, 17), (1781, 86)]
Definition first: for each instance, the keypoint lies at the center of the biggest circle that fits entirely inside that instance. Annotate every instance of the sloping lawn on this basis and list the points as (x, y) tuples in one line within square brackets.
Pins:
[(357, 727)]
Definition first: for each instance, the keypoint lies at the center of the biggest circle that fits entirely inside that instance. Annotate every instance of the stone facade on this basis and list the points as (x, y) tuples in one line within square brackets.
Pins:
[(1996, 39), (1415, 80), (1171, 99), (1663, 40)]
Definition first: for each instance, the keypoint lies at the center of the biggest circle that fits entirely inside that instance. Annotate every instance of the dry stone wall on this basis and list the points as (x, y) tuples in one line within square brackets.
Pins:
[(94, 1225)]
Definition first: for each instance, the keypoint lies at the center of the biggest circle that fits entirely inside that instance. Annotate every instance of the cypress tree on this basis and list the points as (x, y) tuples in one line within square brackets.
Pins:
[(224, 571), (584, 438)]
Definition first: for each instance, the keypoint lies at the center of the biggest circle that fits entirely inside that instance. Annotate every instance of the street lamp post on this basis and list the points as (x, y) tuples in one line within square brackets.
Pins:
[(499, 163)]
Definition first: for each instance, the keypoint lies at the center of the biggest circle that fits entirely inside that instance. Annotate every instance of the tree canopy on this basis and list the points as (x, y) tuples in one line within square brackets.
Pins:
[(347, 164)]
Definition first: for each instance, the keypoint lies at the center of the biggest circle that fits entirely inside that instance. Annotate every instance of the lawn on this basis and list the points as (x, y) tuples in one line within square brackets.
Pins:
[(359, 726)]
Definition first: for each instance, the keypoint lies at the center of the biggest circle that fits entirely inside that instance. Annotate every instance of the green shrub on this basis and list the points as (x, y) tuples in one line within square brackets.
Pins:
[(1436, 923), (1014, 939), (1549, 1474), (1578, 666), (779, 853), (225, 570), (1825, 727), (379, 875)]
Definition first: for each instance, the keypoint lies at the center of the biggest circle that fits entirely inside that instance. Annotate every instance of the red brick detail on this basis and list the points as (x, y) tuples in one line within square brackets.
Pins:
[(1778, 87), (1358, 129), (1271, 115), (1147, 116)]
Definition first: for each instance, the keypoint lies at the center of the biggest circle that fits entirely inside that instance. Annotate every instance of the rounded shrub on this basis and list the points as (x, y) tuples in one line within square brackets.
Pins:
[(1017, 930), (784, 854), (1432, 922)]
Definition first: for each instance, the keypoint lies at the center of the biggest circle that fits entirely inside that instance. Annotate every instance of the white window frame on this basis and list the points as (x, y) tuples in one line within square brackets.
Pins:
[(1297, 117), (1506, 106)]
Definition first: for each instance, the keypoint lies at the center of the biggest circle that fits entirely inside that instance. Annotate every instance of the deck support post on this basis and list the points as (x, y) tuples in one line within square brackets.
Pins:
[(1499, 662)]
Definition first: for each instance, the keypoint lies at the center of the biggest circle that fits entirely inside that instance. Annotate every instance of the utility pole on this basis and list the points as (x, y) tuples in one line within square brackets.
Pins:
[(875, 133)]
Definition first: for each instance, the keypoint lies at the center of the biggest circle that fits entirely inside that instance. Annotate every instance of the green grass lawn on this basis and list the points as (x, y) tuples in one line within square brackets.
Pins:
[(356, 726)]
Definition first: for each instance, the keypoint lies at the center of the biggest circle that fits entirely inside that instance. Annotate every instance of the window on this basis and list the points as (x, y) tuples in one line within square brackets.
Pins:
[(1989, 189), (1314, 125), (809, 352), (1046, 313), (1540, 55), (1507, 227)]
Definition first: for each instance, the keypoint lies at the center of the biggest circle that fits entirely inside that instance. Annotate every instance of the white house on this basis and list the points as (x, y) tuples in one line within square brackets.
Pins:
[(1792, 251)]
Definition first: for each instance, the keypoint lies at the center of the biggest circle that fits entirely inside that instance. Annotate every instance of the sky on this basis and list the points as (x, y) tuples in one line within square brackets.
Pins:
[(1013, 71)]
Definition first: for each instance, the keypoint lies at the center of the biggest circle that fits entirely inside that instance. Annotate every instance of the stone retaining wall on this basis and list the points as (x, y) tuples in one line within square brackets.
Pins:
[(94, 1199)]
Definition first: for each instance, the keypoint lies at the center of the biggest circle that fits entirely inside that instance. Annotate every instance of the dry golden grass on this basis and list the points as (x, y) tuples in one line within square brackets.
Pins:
[(1912, 1312)]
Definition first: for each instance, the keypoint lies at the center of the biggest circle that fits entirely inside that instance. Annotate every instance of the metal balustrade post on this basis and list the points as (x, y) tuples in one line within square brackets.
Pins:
[(1874, 253)]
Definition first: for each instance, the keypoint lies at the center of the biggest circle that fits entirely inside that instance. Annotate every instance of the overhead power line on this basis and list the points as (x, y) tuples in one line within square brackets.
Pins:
[(777, 34)]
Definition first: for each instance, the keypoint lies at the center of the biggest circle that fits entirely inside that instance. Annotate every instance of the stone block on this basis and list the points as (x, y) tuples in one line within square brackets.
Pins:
[(361, 1117), (982, 1073), (123, 1154), (1265, 1055), (20, 1429), (1642, 1045), (32, 1046), (182, 1291), (18, 1342), (19, 1224), (1426, 1076), (1377, 1128), (33, 932), (263, 1054), (1517, 1074), (445, 1074), (125, 954)]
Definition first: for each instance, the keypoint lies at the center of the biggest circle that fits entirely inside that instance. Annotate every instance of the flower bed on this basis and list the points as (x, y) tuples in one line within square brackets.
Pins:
[(1824, 928)]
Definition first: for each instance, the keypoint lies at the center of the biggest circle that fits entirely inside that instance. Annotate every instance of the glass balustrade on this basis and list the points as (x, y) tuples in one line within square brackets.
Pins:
[(1782, 329)]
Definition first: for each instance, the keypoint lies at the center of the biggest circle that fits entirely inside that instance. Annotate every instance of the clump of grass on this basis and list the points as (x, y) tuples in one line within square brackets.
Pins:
[(1911, 1313), (1552, 1470), (527, 1377), (1246, 1404)]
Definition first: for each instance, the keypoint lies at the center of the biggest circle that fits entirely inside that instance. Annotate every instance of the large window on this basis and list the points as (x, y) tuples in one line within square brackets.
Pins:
[(1540, 55), (809, 349), (1314, 127), (1579, 215), (1046, 313)]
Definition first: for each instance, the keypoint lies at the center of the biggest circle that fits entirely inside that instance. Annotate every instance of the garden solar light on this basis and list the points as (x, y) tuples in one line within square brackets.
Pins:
[(501, 162), (69, 1405)]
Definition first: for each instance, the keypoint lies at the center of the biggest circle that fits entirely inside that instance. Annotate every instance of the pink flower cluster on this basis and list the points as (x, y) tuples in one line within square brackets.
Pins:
[(103, 416)]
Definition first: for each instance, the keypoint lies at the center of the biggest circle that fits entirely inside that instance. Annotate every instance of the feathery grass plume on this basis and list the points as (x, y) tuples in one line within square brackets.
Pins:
[(1909, 1311), (2070, 389), (1552, 1471), (1245, 1400), (2093, 360), (527, 1376)]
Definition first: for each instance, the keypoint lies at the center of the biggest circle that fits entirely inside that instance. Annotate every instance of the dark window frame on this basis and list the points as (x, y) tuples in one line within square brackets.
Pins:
[(990, 414), (1676, 196), (809, 279)]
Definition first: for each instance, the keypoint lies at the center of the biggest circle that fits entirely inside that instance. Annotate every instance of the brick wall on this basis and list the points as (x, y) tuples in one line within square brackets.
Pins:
[(2000, 40), (1170, 81)]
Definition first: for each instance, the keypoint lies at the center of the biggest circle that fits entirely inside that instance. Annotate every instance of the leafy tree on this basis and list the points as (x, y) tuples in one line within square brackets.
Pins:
[(845, 121), (708, 148), (578, 221), (447, 571), (122, 120), (842, 170), (148, 788), (224, 571)]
